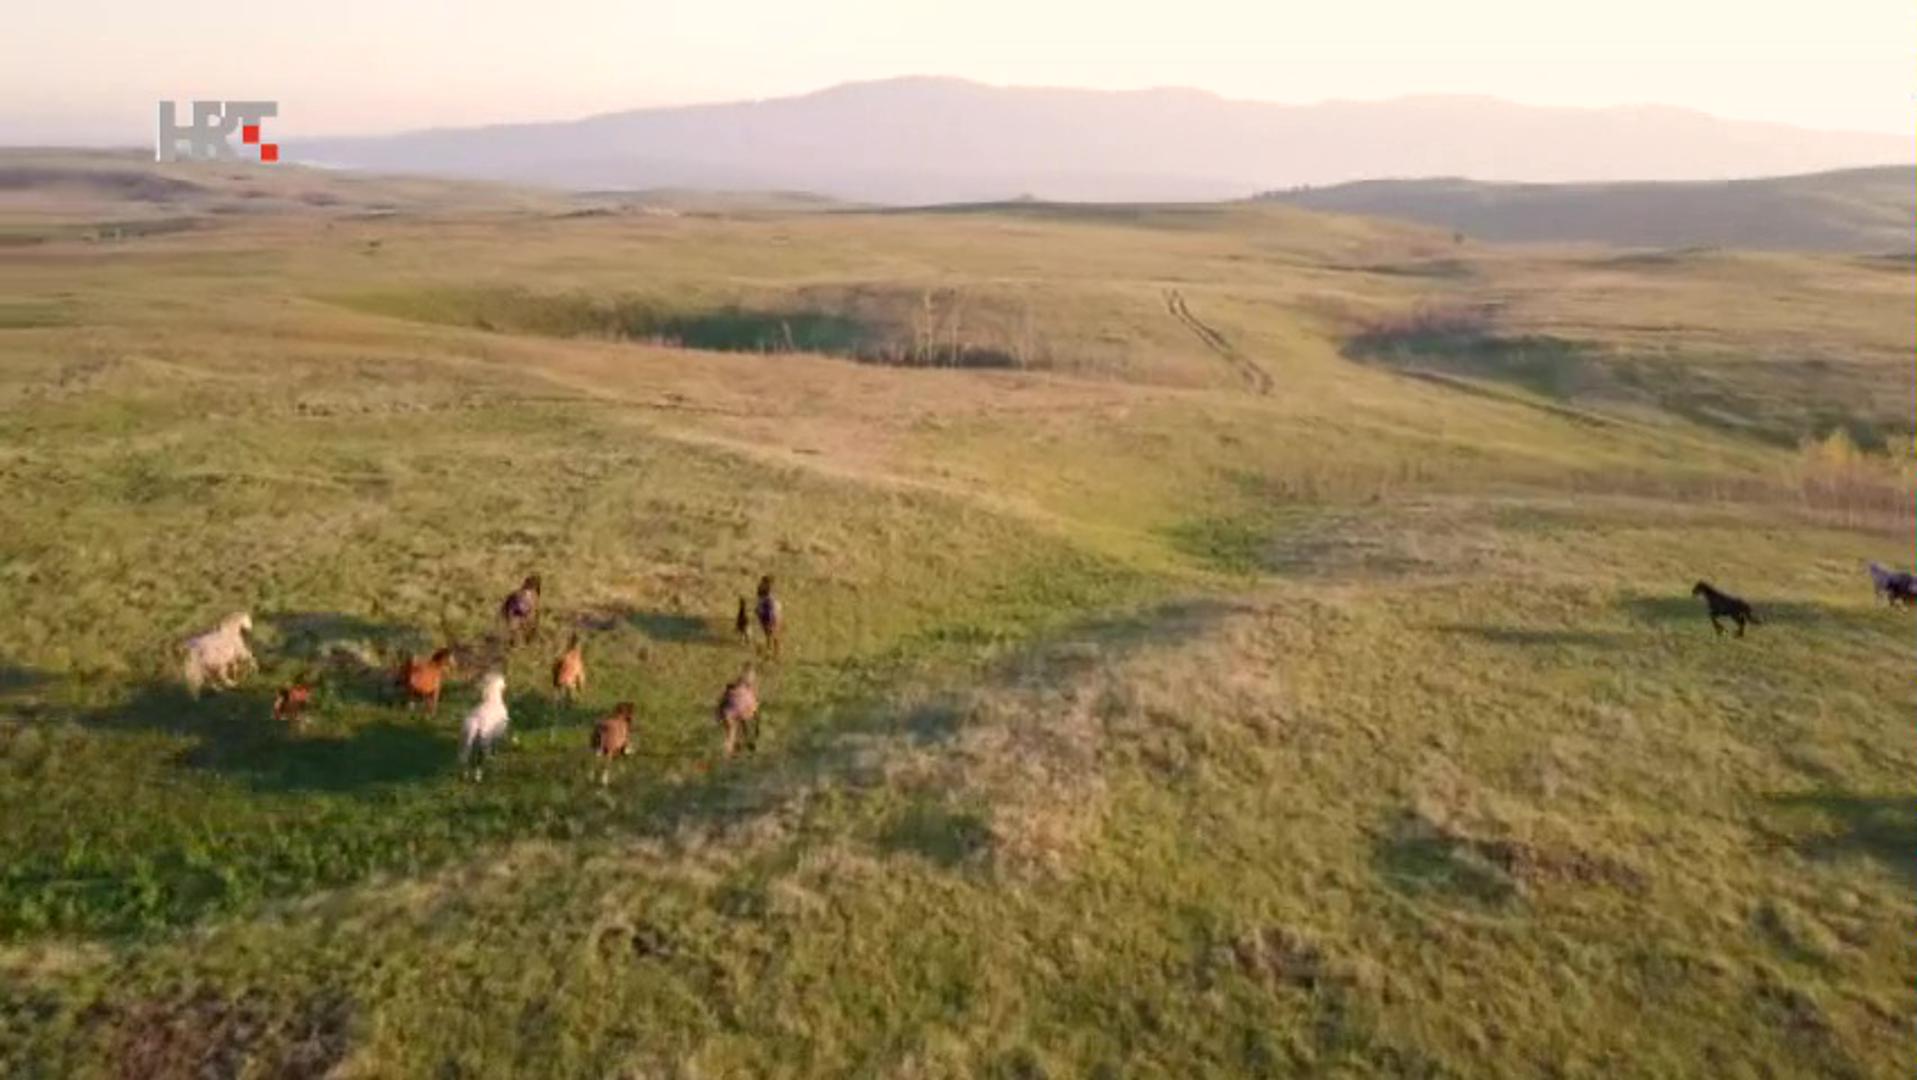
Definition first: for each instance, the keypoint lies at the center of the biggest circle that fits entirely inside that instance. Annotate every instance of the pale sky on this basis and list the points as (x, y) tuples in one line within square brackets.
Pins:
[(84, 71)]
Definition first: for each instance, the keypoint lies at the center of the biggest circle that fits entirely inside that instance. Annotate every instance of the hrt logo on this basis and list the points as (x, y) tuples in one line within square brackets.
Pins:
[(205, 139)]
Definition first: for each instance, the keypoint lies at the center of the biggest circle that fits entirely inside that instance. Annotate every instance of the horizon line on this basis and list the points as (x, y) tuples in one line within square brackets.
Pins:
[(1160, 88)]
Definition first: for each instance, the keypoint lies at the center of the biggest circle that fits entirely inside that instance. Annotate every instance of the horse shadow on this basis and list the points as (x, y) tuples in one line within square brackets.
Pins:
[(939, 834), (233, 733), (674, 627), (306, 633), (1883, 827), (1672, 609), (350, 656)]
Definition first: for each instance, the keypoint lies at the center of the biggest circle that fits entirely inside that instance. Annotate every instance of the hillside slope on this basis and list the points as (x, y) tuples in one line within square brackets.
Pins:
[(923, 140), (1857, 210)]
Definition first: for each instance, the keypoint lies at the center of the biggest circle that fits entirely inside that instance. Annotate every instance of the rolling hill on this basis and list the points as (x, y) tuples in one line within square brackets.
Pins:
[(44, 190), (1278, 662), (1858, 210), (923, 140)]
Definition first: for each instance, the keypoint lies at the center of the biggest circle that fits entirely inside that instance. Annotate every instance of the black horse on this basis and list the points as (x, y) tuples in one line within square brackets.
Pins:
[(1725, 606)]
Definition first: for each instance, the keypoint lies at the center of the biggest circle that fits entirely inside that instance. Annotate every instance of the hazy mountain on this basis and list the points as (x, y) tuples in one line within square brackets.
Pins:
[(1867, 210), (928, 140)]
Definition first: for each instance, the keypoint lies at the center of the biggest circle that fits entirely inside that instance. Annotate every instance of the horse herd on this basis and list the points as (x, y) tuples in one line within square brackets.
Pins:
[(220, 657)]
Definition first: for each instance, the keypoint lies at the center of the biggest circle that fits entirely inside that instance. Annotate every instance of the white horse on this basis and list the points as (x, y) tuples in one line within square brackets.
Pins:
[(484, 725), (219, 654)]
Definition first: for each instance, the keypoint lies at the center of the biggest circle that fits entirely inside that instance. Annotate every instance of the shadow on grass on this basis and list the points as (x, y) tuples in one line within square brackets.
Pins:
[(806, 751), (352, 657), (373, 755), (1883, 827), (668, 626), (235, 734), (307, 635), (1417, 859), (934, 722), (1059, 654), (1088, 643), (677, 628), (15, 679), (1681, 607), (387, 773), (944, 836), (1520, 635)]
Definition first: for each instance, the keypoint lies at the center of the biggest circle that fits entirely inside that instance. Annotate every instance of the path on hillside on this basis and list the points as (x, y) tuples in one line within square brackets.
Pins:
[(1259, 379)]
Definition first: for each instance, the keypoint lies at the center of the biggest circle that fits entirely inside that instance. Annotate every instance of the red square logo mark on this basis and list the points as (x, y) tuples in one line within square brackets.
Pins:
[(270, 152), (250, 134)]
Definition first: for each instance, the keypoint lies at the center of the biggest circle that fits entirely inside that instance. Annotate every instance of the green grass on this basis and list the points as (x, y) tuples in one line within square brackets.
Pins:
[(643, 544), (727, 329), (1131, 724), (1790, 402)]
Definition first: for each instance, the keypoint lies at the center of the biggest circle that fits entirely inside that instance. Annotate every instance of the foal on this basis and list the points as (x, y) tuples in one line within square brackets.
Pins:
[(289, 705)]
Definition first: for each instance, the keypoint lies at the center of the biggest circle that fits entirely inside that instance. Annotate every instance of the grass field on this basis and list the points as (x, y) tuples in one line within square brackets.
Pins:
[(1224, 641)]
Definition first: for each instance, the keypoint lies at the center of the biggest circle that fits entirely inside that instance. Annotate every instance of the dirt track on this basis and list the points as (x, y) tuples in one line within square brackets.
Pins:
[(1258, 378)]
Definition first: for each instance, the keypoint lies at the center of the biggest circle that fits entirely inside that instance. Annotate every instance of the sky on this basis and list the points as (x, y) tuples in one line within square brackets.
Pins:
[(91, 71)]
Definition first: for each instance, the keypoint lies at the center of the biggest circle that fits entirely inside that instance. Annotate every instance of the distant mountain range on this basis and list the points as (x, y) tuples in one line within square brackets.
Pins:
[(1863, 210), (923, 140)]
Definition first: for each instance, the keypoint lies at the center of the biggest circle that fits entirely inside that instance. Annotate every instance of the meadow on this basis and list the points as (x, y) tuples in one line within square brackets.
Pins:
[(1225, 640)]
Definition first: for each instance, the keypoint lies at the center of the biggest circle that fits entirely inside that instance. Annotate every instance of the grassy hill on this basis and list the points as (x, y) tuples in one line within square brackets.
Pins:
[(104, 189), (1224, 641), (1854, 210)]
